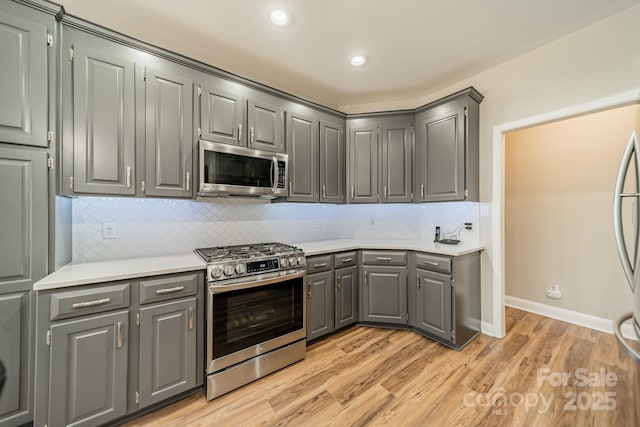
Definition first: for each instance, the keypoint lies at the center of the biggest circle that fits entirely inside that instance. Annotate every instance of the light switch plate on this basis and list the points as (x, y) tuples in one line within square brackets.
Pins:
[(484, 211)]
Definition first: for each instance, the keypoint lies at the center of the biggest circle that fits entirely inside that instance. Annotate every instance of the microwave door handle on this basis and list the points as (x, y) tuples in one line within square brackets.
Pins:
[(274, 174)]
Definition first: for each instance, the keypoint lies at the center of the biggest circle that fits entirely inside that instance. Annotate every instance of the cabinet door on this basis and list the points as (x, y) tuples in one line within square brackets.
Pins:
[(433, 311), (319, 304), (363, 167), (15, 406), (23, 85), (332, 162), (384, 294), (221, 116), (167, 350), (23, 196), (302, 148), (441, 154), (88, 382), (169, 137), (266, 125), (103, 123), (346, 308), (397, 158)]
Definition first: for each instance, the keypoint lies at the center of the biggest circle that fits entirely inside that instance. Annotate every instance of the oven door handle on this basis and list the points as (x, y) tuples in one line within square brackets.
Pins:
[(220, 289)]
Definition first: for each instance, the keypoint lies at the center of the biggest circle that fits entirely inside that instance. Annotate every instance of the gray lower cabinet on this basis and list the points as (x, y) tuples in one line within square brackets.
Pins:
[(265, 119), (332, 162), (23, 86), (88, 383), (167, 350), (433, 303), (346, 296), (384, 294), (16, 354), (169, 134), (302, 149), (447, 148), (380, 159), (320, 304)]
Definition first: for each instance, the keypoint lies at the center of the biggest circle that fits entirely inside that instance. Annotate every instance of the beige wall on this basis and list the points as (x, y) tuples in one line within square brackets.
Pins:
[(594, 63), (559, 183)]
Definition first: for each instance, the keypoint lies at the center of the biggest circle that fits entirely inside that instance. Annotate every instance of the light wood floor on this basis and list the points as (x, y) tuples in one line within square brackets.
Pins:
[(380, 377)]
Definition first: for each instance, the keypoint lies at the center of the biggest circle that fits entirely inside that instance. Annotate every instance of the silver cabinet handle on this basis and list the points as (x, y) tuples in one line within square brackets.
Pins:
[(353, 192), (422, 190), (365, 279), (188, 181), (239, 131), (324, 191), (384, 258), (347, 260), (190, 318), (169, 290), (339, 284), (319, 265), (309, 292), (290, 187), (386, 196), (119, 333), (435, 264), (128, 176), (91, 303), (418, 281), (251, 135)]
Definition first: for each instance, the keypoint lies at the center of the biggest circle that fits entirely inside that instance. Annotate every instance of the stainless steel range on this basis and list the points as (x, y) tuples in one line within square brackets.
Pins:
[(256, 312)]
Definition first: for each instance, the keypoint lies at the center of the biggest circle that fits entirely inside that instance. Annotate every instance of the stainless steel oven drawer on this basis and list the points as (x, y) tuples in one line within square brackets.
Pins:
[(344, 259), (384, 257), (433, 262), (89, 300), (168, 287), (319, 263)]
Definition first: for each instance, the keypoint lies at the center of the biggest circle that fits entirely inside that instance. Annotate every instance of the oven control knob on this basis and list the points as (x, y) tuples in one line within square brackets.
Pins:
[(284, 262), (216, 272), (292, 261), (301, 261), (241, 268), (229, 270)]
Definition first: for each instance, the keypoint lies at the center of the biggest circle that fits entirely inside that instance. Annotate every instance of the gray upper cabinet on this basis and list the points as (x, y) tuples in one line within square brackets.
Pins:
[(265, 119), (397, 158), (23, 85), (447, 149), (24, 226), (384, 294), (302, 148), (88, 378), (332, 162), (433, 299), (363, 165), (167, 350), (16, 353), (346, 307), (320, 304), (222, 116), (103, 123), (169, 135)]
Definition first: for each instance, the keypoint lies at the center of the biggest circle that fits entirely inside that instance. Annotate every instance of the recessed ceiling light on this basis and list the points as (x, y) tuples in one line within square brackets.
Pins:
[(359, 60), (280, 17)]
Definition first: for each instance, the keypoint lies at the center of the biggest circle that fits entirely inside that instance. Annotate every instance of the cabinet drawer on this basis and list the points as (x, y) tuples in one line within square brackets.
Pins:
[(384, 257), (168, 287), (319, 263), (344, 259), (433, 262), (66, 304)]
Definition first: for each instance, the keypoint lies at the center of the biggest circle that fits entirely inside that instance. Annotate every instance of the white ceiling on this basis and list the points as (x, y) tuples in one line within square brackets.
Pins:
[(415, 46)]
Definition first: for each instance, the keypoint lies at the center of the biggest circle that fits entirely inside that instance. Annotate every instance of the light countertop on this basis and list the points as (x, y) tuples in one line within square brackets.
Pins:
[(328, 246), (120, 269)]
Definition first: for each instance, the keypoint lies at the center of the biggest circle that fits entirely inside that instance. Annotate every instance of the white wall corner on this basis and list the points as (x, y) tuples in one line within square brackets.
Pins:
[(569, 316)]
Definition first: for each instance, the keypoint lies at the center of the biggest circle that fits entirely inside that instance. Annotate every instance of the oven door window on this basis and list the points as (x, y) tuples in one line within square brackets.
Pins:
[(247, 317)]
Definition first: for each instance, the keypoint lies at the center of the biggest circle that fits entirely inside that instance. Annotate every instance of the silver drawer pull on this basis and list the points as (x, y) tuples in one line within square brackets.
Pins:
[(384, 258), (319, 265), (170, 290), (435, 264), (190, 318), (347, 260), (120, 337), (91, 303)]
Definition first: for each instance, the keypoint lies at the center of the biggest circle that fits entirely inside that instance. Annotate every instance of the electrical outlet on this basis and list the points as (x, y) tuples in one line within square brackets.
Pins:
[(554, 291), (468, 225), (109, 231)]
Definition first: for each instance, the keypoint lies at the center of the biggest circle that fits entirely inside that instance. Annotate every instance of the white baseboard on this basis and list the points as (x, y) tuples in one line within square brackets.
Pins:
[(487, 328), (569, 316)]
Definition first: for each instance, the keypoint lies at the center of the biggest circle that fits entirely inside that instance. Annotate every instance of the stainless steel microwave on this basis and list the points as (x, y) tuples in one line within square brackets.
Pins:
[(228, 170)]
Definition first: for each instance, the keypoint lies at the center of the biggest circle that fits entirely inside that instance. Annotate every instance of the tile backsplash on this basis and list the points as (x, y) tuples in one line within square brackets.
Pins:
[(158, 226)]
